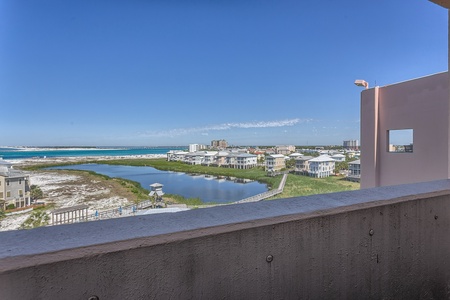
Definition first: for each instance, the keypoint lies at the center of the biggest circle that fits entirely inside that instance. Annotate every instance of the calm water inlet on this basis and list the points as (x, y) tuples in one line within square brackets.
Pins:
[(208, 189)]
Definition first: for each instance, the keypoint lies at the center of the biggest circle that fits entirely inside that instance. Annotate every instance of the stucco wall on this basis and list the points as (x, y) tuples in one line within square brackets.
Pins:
[(384, 243), (422, 105)]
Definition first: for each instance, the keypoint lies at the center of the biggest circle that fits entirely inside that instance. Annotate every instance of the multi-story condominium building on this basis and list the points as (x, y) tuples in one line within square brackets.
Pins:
[(196, 147), (235, 160), (322, 166), (354, 169), (219, 144), (275, 162), (285, 149), (302, 164), (14, 187), (351, 144), (195, 158)]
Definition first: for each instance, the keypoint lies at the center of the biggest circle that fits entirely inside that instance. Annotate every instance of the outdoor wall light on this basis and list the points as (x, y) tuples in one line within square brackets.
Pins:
[(360, 82)]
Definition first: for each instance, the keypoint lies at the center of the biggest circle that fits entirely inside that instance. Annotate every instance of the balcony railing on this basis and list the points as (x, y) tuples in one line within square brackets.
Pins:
[(382, 243)]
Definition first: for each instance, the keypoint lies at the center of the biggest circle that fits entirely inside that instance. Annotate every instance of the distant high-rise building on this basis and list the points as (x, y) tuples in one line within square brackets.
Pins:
[(220, 144), (351, 145), (196, 147)]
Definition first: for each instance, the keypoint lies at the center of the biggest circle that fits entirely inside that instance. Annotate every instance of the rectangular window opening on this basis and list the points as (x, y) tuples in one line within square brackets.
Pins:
[(400, 141)]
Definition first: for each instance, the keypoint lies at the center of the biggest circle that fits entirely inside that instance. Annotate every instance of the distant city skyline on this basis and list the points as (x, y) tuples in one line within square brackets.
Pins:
[(153, 73)]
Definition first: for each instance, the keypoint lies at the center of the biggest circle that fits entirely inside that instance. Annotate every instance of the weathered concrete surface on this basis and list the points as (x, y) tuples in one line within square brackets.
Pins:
[(383, 243)]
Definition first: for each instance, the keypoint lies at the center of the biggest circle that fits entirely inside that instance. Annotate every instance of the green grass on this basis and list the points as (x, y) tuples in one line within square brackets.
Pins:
[(300, 185), (182, 200)]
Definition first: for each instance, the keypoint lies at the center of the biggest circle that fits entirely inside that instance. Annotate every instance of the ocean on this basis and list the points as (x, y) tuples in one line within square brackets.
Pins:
[(23, 153)]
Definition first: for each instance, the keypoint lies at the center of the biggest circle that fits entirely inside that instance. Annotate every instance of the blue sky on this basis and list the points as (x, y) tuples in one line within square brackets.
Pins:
[(148, 73)]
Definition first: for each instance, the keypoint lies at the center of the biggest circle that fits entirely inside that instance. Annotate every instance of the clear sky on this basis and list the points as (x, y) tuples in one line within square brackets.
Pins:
[(167, 72)]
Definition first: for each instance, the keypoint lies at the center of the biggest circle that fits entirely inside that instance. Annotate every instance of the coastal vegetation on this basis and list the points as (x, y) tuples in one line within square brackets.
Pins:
[(296, 185), (299, 185), (36, 192), (39, 217), (129, 189)]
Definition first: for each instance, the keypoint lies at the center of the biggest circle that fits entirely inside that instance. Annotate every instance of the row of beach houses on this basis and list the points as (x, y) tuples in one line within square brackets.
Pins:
[(15, 185), (319, 167)]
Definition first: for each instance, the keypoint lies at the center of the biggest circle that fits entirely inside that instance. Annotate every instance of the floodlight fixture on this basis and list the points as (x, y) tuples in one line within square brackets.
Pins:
[(360, 82)]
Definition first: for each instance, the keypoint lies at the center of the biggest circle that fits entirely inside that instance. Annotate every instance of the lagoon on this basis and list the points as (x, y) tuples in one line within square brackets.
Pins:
[(209, 189)]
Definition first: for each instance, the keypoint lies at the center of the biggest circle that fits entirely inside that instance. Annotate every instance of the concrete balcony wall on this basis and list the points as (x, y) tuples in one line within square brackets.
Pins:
[(381, 243)]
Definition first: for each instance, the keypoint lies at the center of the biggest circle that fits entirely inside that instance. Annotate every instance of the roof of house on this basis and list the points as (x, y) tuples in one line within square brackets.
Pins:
[(304, 157), (211, 153), (296, 154), (241, 155), (180, 152), (222, 153), (355, 162), (322, 158), (276, 155)]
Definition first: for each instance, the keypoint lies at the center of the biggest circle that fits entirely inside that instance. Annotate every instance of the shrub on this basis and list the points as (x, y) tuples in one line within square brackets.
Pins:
[(36, 192)]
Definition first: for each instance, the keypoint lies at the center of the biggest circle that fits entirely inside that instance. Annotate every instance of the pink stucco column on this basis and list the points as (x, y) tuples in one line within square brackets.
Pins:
[(369, 138)]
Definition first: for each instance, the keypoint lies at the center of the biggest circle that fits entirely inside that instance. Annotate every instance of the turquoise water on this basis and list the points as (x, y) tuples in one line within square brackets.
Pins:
[(10, 153)]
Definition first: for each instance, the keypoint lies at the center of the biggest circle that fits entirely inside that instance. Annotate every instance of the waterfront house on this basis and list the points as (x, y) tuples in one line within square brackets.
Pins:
[(302, 164), (354, 169), (246, 161), (275, 162), (174, 155), (260, 154), (14, 187), (321, 166)]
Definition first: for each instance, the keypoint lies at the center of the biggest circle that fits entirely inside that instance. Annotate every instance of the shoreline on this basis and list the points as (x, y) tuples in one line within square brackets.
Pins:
[(71, 159)]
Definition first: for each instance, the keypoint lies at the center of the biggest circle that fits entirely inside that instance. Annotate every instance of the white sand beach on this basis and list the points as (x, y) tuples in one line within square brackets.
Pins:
[(66, 190), (41, 160)]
